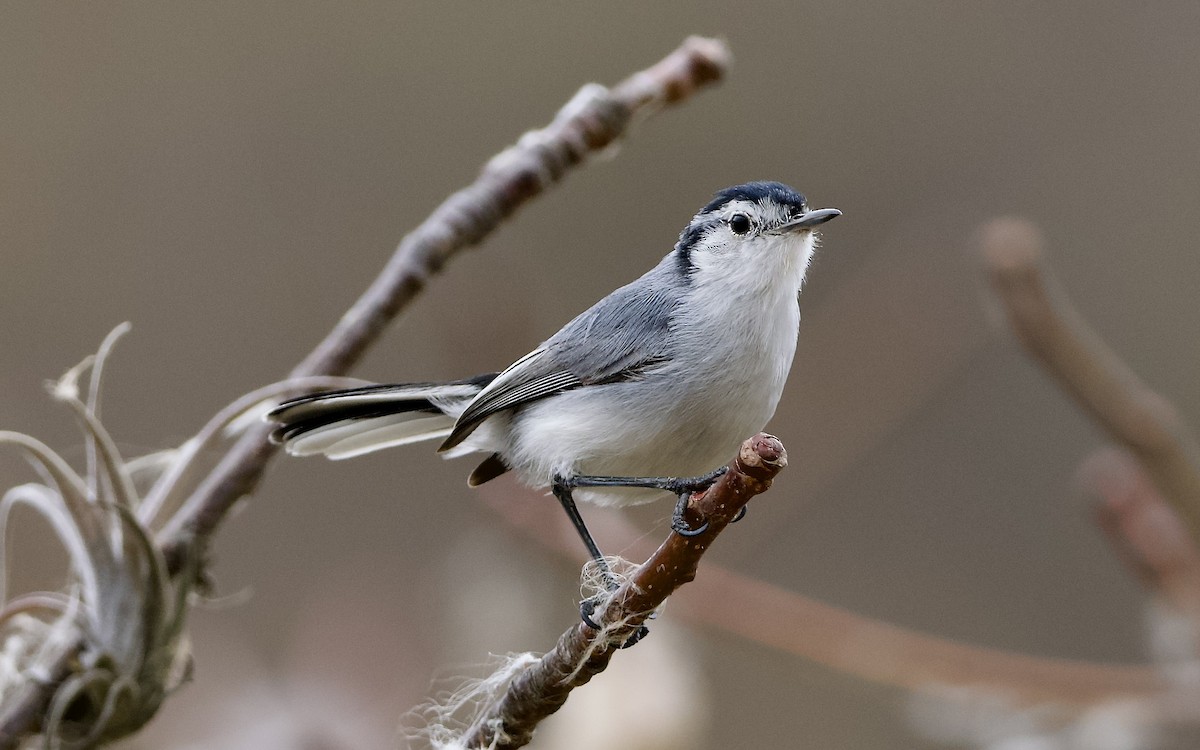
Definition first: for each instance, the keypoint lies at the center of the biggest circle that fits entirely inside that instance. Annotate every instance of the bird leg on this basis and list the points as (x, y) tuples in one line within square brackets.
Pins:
[(683, 487), (562, 488)]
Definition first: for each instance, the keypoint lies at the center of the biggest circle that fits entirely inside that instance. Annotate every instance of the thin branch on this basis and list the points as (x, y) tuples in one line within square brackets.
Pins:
[(838, 638), (1055, 335), (892, 655), (591, 121), (583, 652), (594, 119), (1144, 530)]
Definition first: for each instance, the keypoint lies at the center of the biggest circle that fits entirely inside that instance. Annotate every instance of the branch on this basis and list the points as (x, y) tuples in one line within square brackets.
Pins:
[(582, 652), (1145, 532), (595, 118), (842, 640), (901, 657), (1055, 335), (591, 121)]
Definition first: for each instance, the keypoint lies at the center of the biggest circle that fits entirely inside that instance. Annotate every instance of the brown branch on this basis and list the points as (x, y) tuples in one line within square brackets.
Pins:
[(593, 120), (843, 640), (1144, 530), (892, 655), (1055, 335), (582, 652)]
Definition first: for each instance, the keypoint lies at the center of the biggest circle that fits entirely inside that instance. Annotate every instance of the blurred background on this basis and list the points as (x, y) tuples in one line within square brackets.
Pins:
[(230, 176)]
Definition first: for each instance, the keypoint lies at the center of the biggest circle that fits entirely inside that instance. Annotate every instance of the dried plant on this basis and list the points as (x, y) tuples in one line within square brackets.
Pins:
[(122, 614), (111, 645)]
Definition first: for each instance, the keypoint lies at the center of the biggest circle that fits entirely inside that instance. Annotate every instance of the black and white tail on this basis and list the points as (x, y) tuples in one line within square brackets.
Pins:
[(343, 424)]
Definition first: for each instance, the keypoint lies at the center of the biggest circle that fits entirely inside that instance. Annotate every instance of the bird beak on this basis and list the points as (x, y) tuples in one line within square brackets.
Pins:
[(810, 219)]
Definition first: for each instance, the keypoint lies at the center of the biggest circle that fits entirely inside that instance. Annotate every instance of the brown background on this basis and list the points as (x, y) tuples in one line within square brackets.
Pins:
[(228, 177)]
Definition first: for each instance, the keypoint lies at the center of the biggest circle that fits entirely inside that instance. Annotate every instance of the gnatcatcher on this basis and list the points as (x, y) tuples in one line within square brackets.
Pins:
[(646, 391)]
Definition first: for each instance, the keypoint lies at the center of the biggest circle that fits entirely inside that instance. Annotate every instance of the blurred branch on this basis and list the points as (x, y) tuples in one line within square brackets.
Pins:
[(892, 655), (594, 119), (1055, 335), (1144, 530), (582, 652)]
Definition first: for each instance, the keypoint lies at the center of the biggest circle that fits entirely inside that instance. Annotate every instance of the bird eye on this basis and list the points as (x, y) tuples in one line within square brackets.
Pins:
[(739, 223)]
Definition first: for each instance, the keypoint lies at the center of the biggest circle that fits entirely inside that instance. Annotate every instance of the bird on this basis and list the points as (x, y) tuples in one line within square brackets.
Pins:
[(644, 392)]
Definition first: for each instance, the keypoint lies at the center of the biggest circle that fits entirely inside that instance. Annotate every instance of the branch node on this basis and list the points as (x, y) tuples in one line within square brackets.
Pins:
[(762, 457)]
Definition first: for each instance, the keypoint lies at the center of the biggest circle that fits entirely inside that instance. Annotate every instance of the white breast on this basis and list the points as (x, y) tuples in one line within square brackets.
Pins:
[(733, 350)]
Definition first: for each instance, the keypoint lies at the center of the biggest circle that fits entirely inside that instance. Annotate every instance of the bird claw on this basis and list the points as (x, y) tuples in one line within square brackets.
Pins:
[(638, 635), (587, 608), (679, 523), (680, 527), (684, 488), (696, 484)]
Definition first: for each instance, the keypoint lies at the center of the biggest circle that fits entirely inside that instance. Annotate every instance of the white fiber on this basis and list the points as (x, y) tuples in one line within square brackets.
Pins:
[(446, 717)]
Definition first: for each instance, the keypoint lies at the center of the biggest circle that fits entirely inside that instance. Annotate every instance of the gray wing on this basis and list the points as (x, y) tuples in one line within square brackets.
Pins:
[(611, 341)]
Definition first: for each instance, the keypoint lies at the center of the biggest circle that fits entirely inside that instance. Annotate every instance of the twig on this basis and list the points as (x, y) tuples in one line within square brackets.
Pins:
[(582, 652), (1144, 530), (892, 655), (594, 119), (843, 640), (1055, 335)]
